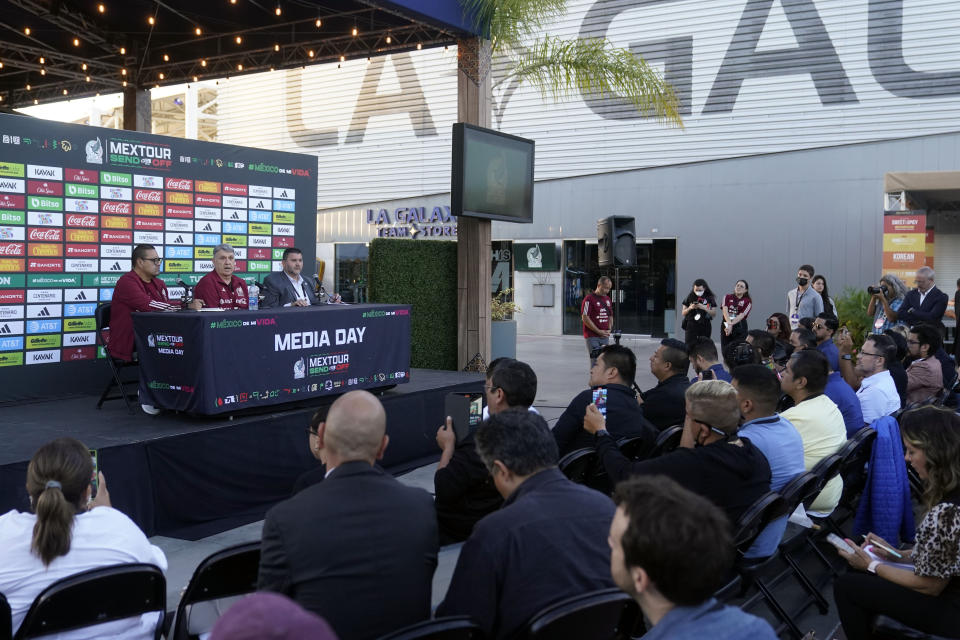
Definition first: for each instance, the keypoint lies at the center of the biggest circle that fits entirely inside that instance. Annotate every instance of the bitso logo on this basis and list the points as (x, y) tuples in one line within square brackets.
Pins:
[(299, 369), (94, 149)]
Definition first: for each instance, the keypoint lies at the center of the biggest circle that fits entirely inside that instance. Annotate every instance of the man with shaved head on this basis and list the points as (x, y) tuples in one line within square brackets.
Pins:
[(339, 546)]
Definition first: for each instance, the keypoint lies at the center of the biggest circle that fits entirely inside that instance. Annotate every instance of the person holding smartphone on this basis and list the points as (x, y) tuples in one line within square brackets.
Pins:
[(927, 597)]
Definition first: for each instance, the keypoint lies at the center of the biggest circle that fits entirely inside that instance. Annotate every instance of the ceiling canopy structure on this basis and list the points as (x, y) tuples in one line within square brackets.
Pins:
[(56, 49)]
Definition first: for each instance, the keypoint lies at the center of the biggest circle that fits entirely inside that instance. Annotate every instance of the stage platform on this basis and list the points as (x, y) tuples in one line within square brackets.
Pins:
[(190, 477)]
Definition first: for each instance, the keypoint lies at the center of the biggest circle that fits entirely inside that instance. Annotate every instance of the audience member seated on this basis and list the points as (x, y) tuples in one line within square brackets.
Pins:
[(739, 354), (613, 370), (837, 388), (924, 375), (664, 405), (816, 417), (544, 545), (778, 325), (765, 344), (758, 391), (922, 588), (824, 327), (338, 546), (803, 338), (464, 489), (68, 534), (712, 460), (874, 385), (270, 616), (897, 371), (318, 473), (671, 549), (806, 323), (705, 361)]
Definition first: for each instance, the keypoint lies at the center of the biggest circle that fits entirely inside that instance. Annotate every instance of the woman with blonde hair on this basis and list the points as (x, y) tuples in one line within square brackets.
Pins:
[(67, 534)]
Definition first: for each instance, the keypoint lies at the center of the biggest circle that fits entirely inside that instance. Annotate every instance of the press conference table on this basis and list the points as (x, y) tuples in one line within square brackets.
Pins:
[(211, 362)]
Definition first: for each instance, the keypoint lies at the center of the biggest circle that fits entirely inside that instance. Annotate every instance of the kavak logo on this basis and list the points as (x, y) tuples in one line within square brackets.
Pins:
[(11, 202), (180, 184), (283, 230), (89, 221), (179, 212), (44, 173), (148, 209), (111, 222), (11, 265), (85, 176), (45, 250), (82, 251), (203, 200), (148, 182), (235, 189), (12, 249), (148, 223), (179, 225), (116, 208), (116, 236), (45, 219), (179, 197), (44, 235), (75, 339), (94, 151), (44, 264), (115, 251), (44, 188), (11, 185), (148, 195), (43, 357), (81, 266)]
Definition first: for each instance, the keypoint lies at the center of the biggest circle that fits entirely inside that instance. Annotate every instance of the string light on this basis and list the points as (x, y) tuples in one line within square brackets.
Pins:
[(123, 72), (354, 31), (1, 65), (239, 67), (419, 46), (278, 10), (194, 78), (342, 59), (203, 63), (43, 72), (166, 57), (64, 92), (151, 21), (389, 39), (35, 101), (238, 40), (310, 53), (84, 66), (43, 60), (124, 83), (276, 47), (123, 51), (102, 9), (198, 31), (26, 31), (76, 42), (28, 87), (161, 76), (319, 23), (88, 78)]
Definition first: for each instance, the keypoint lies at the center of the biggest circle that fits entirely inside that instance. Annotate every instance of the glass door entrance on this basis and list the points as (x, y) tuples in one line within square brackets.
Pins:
[(647, 294)]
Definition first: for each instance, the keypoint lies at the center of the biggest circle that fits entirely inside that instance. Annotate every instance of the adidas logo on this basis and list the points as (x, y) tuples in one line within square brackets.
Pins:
[(283, 194), (81, 296), (116, 267), (44, 313), (208, 227), (178, 240), (5, 329), (259, 205), (235, 217)]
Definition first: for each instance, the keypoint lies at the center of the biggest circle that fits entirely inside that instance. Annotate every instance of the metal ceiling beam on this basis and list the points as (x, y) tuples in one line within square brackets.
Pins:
[(61, 15)]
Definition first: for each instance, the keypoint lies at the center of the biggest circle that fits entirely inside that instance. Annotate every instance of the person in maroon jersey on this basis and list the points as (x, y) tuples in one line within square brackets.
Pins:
[(596, 311), (138, 290), (220, 288), (736, 308)]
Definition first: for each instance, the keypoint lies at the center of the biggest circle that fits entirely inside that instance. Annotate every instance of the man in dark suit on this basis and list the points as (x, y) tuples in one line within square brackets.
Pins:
[(926, 303), (359, 548), (288, 288)]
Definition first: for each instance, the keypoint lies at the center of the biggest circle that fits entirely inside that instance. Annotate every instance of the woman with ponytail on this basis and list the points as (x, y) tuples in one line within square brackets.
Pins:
[(67, 533)]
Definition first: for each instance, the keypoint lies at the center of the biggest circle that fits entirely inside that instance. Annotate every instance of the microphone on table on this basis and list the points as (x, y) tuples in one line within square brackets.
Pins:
[(187, 291), (318, 288)]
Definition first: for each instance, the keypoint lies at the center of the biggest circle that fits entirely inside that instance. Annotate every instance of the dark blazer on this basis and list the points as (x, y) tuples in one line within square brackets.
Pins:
[(932, 309), (278, 290), (359, 549), (665, 404)]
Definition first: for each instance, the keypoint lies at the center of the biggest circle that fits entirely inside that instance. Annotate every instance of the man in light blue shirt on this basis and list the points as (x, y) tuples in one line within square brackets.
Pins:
[(673, 577), (758, 391)]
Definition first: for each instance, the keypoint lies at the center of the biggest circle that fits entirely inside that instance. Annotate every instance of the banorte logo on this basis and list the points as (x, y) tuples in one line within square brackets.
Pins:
[(180, 184), (147, 195), (116, 208), (48, 235), (81, 221)]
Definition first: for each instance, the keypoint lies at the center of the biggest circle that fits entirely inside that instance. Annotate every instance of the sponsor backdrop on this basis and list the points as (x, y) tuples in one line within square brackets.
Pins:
[(194, 364), (75, 200)]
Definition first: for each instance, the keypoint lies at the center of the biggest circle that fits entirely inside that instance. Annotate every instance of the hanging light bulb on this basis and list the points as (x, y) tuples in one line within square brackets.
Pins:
[(343, 59), (151, 21), (389, 39), (419, 46), (203, 63), (278, 10), (84, 66), (276, 47), (161, 76), (76, 42), (354, 31), (239, 67), (195, 78), (64, 92), (88, 78), (101, 8), (26, 31), (319, 23), (310, 53), (28, 87), (123, 51), (166, 57), (43, 72), (198, 31), (123, 72), (124, 83)]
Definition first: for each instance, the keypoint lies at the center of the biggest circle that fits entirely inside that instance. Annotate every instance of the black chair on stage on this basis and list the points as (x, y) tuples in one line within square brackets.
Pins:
[(229, 573), (608, 614), (667, 441), (95, 597), (579, 465), (890, 629), (116, 366), (452, 628), (6, 619)]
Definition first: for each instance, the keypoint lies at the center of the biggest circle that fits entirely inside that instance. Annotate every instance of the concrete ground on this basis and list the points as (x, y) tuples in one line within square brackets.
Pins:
[(562, 369)]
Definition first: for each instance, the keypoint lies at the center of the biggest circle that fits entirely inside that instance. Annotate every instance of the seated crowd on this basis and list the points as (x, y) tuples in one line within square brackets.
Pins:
[(352, 553)]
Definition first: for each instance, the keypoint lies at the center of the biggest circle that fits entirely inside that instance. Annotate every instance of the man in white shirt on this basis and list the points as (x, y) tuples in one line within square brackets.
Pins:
[(870, 377)]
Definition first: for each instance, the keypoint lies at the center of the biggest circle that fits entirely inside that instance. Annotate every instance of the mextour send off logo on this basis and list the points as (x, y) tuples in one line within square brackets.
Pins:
[(166, 343)]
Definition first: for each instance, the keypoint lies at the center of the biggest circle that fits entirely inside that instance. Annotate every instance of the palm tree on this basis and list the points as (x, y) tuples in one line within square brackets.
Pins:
[(557, 66)]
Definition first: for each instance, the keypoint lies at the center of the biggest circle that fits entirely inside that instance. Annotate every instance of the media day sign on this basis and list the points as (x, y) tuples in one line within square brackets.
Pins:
[(75, 200)]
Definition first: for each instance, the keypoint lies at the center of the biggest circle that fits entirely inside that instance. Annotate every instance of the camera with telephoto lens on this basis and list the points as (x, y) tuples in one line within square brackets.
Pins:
[(875, 290)]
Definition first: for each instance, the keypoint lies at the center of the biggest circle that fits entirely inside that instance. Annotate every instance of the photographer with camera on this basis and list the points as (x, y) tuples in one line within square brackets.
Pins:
[(885, 301)]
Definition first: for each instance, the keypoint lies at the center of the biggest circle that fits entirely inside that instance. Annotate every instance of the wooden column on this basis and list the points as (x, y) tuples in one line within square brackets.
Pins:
[(473, 234), (137, 110)]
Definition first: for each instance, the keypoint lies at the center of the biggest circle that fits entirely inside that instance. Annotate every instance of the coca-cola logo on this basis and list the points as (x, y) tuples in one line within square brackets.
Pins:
[(147, 195), (119, 208), (81, 221), (11, 248), (51, 235), (179, 184)]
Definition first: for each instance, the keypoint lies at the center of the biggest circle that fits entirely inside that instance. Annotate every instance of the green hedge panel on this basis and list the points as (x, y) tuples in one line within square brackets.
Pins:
[(422, 274)]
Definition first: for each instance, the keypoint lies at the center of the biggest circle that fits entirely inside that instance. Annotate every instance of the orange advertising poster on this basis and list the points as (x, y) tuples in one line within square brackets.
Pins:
[(907, 260), (907, 223)]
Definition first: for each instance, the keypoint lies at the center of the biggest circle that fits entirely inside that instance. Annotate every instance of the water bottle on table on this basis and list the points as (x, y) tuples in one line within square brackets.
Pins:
[(254, 301)]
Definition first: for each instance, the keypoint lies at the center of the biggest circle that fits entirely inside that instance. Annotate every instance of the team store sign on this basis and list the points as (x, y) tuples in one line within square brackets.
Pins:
[(67, 235)]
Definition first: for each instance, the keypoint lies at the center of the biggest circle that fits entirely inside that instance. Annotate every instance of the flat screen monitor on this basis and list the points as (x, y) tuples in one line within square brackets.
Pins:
[(492, 175)]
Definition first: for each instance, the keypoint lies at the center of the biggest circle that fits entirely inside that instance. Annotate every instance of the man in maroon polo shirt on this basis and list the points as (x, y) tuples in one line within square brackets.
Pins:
[(138, 290), (220, 288), (596, 312)]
